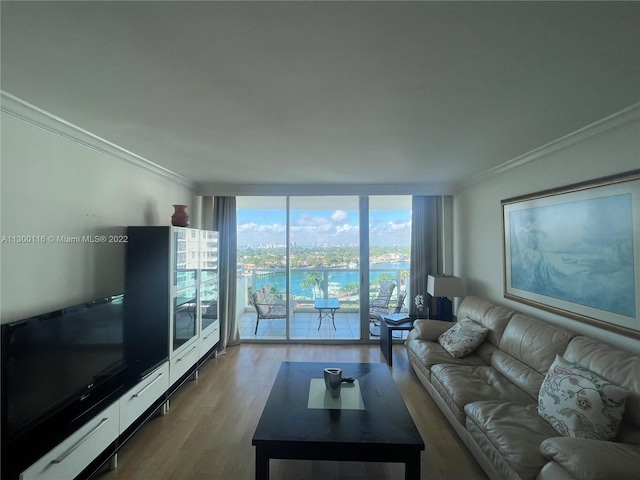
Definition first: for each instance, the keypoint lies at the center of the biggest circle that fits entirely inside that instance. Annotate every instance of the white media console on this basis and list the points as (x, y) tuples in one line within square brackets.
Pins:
[(171, 328), (103, 435)]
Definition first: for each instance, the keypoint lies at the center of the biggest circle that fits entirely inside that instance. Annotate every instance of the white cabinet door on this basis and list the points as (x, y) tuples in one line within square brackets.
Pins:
[(182, 360), (73, 455), (209, 337), (137, 400)]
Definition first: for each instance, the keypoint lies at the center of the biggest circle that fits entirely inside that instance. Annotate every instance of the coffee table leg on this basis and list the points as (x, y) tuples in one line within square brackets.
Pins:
[(412, 468), (262, 464)]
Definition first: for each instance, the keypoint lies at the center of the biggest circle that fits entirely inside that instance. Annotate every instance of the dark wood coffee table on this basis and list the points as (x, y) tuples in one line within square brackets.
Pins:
[(381, 432)]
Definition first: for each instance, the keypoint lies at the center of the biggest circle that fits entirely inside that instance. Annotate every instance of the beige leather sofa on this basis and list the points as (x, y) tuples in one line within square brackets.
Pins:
[(490, 396)]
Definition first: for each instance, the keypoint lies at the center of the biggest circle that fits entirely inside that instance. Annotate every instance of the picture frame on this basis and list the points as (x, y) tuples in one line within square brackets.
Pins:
[(575, 251)]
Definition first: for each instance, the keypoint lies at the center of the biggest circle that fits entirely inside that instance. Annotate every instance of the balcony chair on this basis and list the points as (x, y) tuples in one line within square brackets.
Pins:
[(380, 304), (269, 307), (401, 296), (374, 318)]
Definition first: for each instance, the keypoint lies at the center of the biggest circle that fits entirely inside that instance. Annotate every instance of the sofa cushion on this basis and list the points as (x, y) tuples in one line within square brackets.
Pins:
[(509, 433), (496, 320), (430, 329), (527, 349), (487, 314), (583, 458), (616, 365), (426, 354), (459, 385), (580, 404), (473, 308), (463, 338)]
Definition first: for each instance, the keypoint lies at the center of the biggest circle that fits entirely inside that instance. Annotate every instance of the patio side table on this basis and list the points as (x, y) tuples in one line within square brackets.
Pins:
[(326, 308)]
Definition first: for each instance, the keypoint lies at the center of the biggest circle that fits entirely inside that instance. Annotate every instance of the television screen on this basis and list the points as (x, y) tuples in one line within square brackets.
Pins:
[(51, 360)]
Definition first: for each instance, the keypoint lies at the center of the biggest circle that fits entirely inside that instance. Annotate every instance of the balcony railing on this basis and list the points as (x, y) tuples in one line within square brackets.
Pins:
[(343, 283)]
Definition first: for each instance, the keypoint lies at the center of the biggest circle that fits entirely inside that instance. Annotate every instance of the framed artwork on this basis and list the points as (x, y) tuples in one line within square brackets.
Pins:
[(575, 251)]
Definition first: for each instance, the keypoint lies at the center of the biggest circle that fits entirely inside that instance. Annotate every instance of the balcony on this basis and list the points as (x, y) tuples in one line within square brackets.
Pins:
[(342, 283)]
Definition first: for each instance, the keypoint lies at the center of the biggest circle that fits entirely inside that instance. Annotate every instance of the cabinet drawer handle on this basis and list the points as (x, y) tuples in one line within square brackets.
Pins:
[(214, 331), (136, 395), (186, 354), (75, 446)]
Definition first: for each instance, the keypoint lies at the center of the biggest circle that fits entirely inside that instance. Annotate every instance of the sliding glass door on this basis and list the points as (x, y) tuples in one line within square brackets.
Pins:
[(262, 262), (306, 254), (389, 255), (324, 267)]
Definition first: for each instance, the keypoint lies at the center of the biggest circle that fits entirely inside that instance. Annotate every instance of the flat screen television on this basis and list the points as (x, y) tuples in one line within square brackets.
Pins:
[(57, 359)]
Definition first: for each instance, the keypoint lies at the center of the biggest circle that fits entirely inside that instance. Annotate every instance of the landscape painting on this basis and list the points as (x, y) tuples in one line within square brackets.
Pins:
[(575, 251)]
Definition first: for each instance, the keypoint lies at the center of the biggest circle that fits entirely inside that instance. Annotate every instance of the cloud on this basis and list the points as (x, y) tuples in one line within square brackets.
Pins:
[(399, 226), (304, 219), (389, 228), (339, 216), (320, 228), (346, 228), (250, 227)]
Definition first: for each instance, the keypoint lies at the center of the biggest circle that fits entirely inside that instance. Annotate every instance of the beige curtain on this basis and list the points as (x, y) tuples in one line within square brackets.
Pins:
[(426, 248), (224, 221)]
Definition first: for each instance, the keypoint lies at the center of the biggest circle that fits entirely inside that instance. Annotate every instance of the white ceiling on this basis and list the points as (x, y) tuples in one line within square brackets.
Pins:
[(236, 93)]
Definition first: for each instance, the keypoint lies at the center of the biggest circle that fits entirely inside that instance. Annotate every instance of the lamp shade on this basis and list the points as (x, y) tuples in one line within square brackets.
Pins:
[(444, 286)]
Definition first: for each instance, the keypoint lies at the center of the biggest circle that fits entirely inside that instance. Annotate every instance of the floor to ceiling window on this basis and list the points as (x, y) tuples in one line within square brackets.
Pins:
[(262, 261), (305, 252), (324, 258), (389, 254)]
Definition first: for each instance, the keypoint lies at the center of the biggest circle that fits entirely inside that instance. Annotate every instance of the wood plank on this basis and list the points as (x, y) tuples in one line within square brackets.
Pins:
[(208, 429)]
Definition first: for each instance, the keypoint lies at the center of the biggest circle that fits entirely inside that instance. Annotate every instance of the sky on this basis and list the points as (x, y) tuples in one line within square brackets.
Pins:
[(322, 227)]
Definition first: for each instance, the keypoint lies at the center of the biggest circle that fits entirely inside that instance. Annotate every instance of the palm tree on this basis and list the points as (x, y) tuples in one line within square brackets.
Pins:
[(313, 280), (384, 277)]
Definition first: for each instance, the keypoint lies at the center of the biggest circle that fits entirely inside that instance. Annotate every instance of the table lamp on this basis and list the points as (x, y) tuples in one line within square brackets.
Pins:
[(442, 287)]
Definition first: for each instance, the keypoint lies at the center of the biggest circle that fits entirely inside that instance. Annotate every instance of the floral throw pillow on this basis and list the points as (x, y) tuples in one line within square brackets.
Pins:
[(580, 404), (463, 338)]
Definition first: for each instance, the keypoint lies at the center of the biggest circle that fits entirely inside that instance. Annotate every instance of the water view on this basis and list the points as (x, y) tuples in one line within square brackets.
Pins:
[(342, 281), (314, 242)]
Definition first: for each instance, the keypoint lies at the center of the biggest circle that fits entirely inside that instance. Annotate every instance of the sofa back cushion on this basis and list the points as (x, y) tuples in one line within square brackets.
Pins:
[(473, 308), (616, 365), (527, 349), (491, 316)]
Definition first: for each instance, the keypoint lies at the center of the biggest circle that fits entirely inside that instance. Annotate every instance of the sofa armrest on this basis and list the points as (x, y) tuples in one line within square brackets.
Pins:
[(593, 459), (431, 329)]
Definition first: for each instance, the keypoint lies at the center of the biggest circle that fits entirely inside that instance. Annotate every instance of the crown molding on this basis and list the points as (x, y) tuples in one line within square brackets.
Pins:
[(606, 126), (28, 113), (289, 189)]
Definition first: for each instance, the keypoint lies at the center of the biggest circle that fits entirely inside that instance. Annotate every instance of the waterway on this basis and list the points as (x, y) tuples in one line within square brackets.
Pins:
[(336, 278)]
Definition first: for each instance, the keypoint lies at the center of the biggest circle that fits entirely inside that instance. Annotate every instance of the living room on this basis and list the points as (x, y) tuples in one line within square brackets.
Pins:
[(63, 177)]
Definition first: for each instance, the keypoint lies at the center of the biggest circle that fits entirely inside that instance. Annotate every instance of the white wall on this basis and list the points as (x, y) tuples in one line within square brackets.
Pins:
[(612, 146), (53, 186)]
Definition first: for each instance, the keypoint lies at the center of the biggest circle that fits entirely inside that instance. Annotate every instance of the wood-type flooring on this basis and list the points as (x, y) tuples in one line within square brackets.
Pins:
[(207, 432)]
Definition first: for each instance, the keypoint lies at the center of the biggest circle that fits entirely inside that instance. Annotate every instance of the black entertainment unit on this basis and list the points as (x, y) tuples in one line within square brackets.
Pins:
[(59, 370), (78, 382)]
